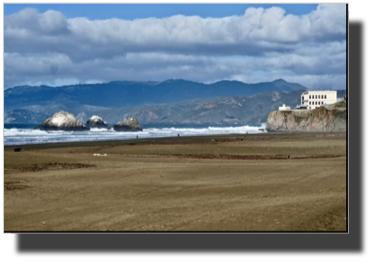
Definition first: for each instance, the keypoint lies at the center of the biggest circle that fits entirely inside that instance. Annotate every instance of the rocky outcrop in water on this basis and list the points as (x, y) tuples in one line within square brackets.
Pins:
[(62, 121), (131, 125), (96, 122), (317, 120)]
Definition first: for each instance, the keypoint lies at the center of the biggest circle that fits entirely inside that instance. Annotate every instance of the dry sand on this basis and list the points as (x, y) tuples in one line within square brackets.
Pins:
[(234, 183)]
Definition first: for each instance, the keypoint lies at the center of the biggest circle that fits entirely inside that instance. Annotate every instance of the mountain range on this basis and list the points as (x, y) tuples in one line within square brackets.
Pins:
[(170, 101)]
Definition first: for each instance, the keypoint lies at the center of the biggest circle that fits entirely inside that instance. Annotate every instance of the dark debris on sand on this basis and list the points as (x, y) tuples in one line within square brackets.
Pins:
[(49, 166)]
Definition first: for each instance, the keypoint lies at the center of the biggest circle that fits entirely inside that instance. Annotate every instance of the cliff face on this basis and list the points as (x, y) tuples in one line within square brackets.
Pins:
[(317, 120)]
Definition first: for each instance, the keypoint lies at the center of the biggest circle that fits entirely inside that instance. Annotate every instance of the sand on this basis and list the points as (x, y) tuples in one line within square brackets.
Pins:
[(262, 182)]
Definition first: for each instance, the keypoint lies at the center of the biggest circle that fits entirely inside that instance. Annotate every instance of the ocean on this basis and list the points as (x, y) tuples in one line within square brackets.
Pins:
[(18, 134)]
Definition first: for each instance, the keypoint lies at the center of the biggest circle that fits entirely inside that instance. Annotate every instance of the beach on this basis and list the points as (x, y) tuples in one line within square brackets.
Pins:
[(237, 182)]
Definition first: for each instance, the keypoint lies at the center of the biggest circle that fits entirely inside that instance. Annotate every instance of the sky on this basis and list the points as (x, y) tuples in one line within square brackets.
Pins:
[(64, 44)]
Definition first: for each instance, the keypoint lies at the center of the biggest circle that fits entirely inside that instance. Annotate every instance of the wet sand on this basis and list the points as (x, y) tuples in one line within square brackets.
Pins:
[(262, 182)]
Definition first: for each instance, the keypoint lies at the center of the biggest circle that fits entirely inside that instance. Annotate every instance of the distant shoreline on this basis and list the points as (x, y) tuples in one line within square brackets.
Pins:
[(160, 140), (150, 125), (125, 141)]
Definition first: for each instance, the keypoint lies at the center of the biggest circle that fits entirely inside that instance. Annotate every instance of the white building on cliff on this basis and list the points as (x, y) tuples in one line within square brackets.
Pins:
[(314, 99), (284, 108)]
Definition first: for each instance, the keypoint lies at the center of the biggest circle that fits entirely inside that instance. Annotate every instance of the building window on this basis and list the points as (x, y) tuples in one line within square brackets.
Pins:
[(309, 96), (322, 102), (313, 102), (319, 103), (325, 96), (313, 96), (309, 102)]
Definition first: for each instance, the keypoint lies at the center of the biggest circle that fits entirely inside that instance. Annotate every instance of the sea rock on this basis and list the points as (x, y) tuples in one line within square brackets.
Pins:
[(131, 125), (62, 121), (317, 120), (96, 122)]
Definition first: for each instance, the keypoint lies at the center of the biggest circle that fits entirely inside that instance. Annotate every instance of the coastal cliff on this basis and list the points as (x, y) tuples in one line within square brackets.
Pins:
[(317, 120)]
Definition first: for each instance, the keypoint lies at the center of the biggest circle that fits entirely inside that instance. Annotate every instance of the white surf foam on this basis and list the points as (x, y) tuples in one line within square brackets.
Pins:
[(16, 136)]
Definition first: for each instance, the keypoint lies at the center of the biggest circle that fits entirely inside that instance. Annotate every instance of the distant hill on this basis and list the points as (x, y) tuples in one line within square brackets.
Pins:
[(118, 94), (22, 116), (223, 110), (252, 109)]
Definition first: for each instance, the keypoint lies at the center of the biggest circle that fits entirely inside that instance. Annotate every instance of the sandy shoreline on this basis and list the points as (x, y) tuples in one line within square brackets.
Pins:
[(232, 182), (140, 141)]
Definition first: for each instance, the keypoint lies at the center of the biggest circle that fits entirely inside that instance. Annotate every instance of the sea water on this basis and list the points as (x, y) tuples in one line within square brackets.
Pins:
[(17, 134)]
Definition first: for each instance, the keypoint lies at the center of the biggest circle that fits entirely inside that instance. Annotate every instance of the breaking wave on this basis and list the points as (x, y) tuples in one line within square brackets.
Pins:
[(17, 136)]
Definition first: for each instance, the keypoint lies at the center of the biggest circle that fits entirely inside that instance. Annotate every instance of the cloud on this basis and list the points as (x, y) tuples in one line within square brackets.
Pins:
[(48, 46), (29, 22)]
